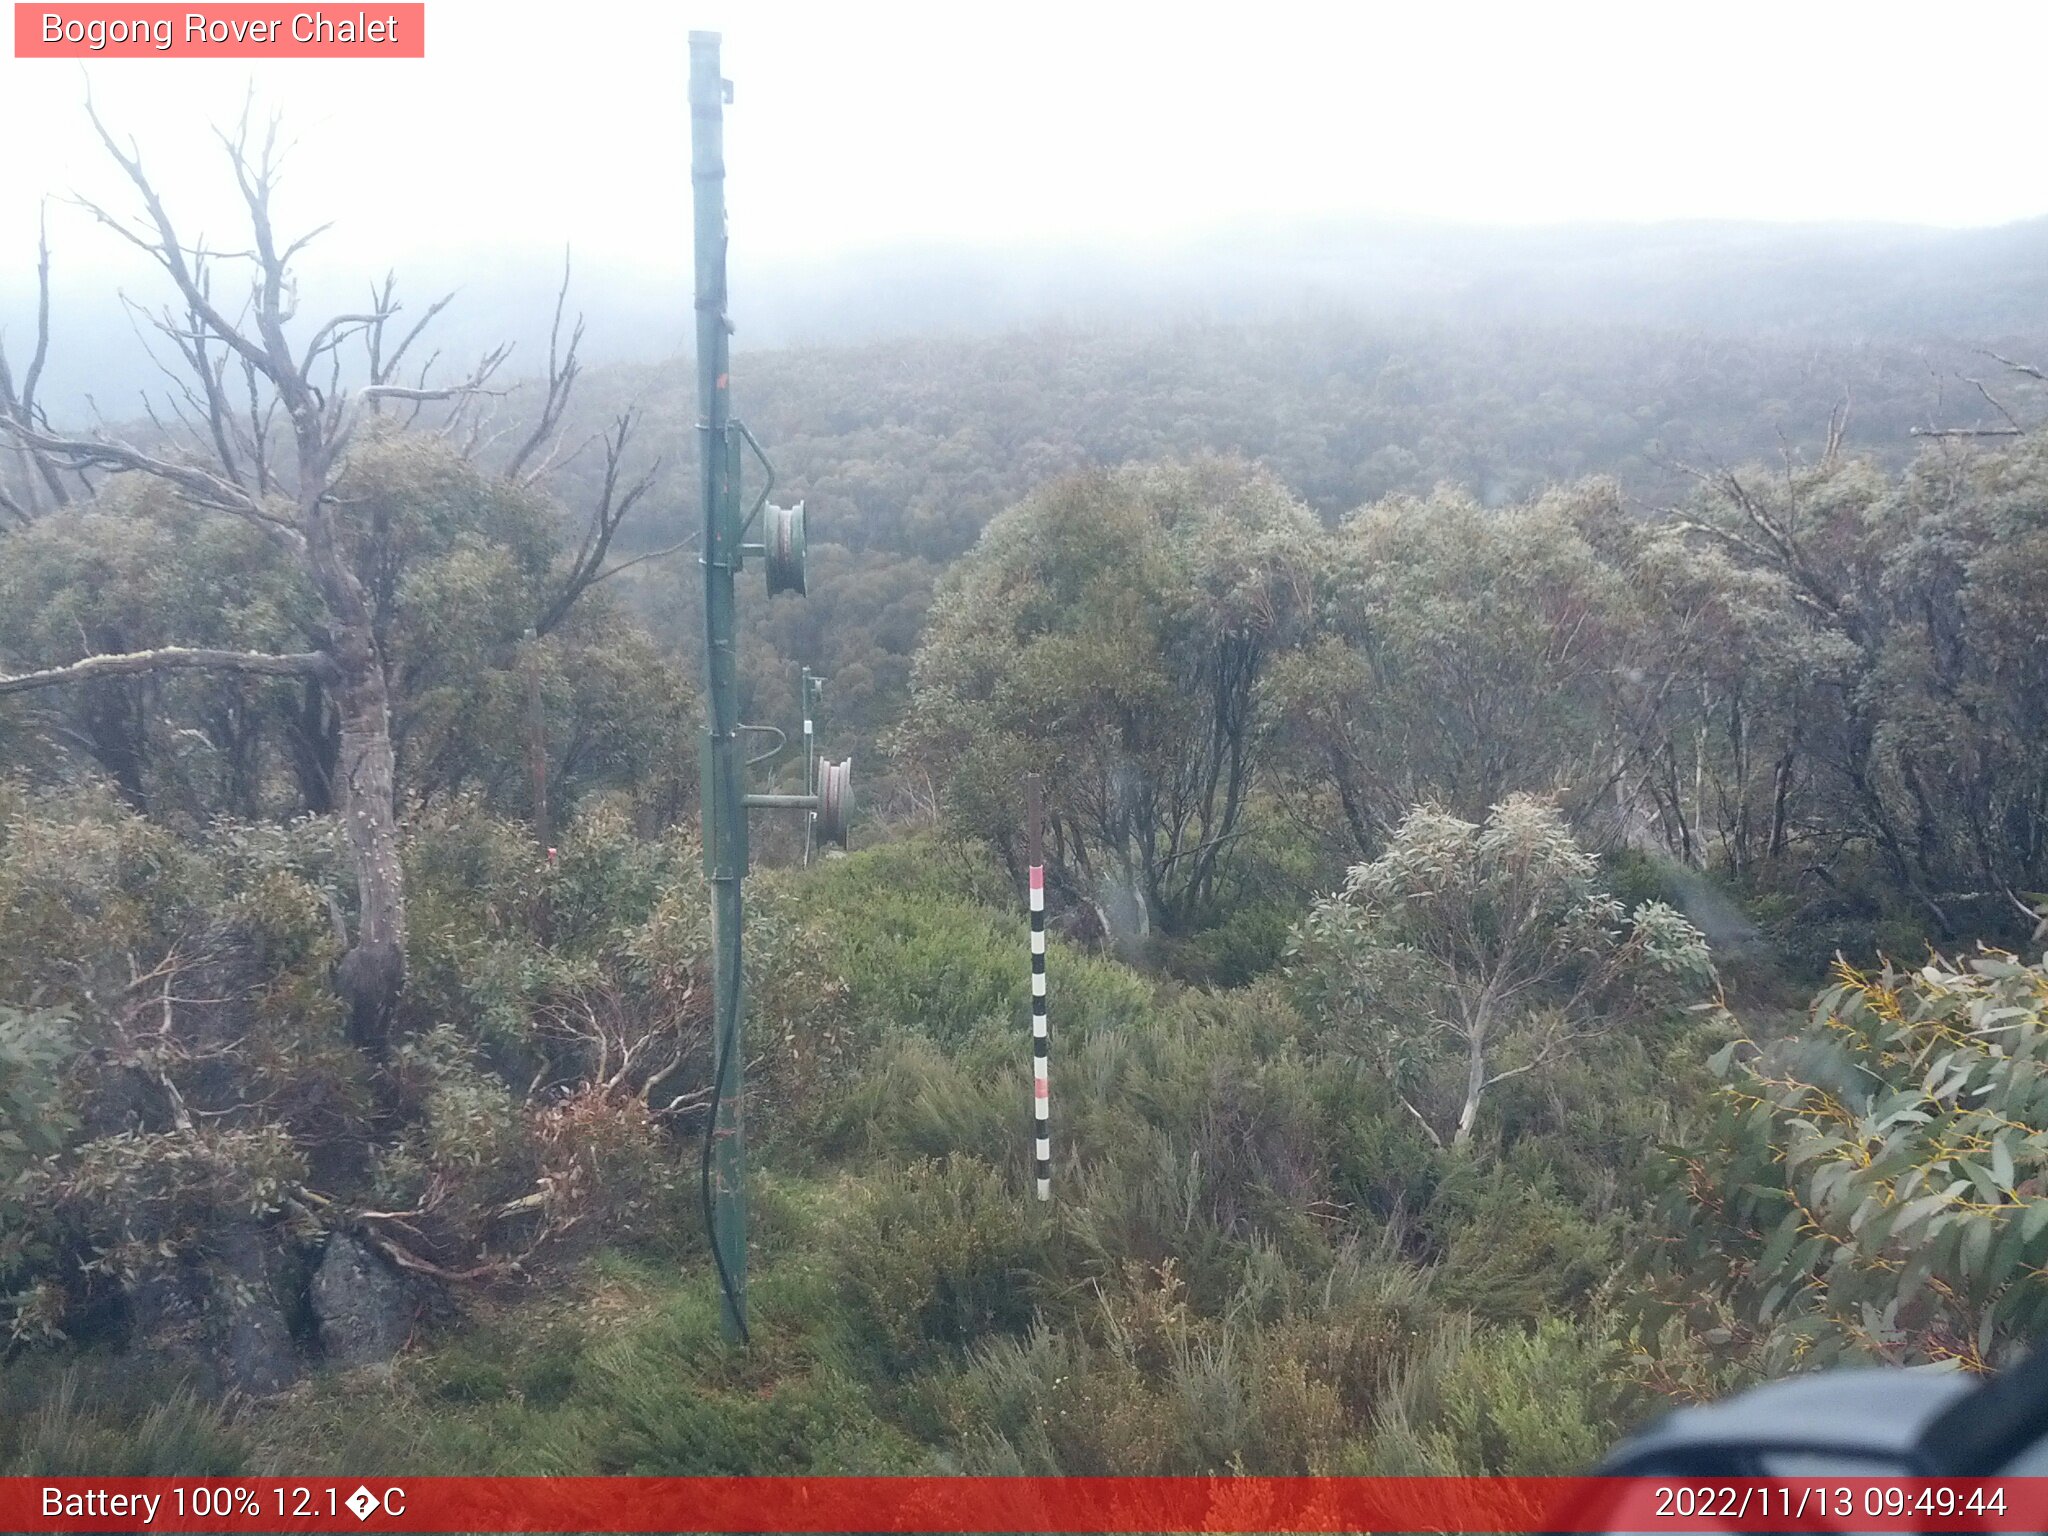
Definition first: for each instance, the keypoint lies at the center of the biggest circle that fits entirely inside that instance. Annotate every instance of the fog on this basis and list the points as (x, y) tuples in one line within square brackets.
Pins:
[(897, 165)]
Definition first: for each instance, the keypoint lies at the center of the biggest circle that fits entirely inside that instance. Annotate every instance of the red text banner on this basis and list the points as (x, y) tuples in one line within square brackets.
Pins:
[(240, 31), (1019, 1504)]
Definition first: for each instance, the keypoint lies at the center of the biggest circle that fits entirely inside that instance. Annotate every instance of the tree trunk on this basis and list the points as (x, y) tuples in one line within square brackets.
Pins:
[(372, 973), (117, 726), (315, 746), (1475, 1085)]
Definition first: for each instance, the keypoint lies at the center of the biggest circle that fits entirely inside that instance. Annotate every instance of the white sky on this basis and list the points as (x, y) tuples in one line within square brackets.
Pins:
[(878, 123)]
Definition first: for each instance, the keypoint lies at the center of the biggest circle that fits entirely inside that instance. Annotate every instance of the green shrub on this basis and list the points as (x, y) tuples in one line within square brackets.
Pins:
[(35, 1046), (1499, 1402), (1513, 1252), (1249, 941), (911, 1099), (87, 889), (939, 1255), (1870, 1189)]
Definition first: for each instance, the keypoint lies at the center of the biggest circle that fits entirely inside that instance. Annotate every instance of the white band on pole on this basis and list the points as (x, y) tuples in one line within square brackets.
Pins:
[(1041, 1034)]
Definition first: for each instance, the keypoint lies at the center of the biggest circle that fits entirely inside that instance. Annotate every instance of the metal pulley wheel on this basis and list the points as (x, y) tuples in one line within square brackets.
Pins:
[(784, 541), (835, 801)]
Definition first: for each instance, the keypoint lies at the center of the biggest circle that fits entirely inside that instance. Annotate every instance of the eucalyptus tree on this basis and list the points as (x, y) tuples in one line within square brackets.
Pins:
[(1469, 953), (1460, 654), (1870, 1189), (1880, 642), (262, 411), (1113, 631)]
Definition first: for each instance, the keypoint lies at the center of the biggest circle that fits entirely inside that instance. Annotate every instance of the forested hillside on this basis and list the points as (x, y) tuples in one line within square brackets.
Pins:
[(1547, 841), (905, 449)]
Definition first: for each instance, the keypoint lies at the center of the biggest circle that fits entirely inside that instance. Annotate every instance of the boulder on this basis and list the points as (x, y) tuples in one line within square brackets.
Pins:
[(364, 1308), (252, 1335)]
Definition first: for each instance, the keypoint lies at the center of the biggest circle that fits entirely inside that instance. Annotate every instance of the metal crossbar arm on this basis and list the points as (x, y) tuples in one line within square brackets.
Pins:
[(747, 523)]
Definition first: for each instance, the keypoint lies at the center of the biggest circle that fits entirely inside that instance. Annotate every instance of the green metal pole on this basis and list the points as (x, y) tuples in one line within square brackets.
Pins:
[(721, 793), (807, 694)]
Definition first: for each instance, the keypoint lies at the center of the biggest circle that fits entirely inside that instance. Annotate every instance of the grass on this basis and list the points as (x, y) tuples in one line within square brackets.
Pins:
[(1246, 1266), (624, 1371)]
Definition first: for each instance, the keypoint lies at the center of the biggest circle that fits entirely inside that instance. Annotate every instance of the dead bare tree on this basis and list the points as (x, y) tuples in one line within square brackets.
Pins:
[(42, 477), (295, 509), (615, 501), (2010, 425), (563, 369), (257, 429)]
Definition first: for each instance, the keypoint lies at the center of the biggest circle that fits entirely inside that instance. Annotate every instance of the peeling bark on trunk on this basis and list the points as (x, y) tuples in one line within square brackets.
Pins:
[(1475, 1085), (372, 973)]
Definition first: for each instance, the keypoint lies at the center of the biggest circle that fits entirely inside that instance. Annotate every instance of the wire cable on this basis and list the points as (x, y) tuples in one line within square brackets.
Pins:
[(721, 1063)]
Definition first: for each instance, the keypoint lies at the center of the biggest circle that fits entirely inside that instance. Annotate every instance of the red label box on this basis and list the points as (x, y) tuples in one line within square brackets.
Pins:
[(922, 1506), (377, 30)]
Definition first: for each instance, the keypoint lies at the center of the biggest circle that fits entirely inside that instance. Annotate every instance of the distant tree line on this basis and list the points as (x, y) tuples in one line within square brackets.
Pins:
[(1823, 683), (906, 449)]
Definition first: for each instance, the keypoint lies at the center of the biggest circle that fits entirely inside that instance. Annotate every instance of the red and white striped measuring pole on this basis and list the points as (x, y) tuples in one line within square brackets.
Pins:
[(1041, 1039)]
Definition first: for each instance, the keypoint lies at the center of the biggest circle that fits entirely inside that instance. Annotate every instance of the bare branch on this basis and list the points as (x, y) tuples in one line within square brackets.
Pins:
[(408, 392), (2027, 368), (1995, 403), (336, 331), (653, 554), (562, 371), (199, 365), (471, 388), (200, 485), (383, 369), (555, 460), (173, 659), (1423, 1121), (22, 402), (1838, 430), (2012, 428), (34, 375), (260, 419), (303, 241), (611, 511), (426, 369), (169, 253)]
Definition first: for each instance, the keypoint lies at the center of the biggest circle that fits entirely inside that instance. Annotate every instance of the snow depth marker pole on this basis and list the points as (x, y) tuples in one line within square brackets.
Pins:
[(1041, 1039)]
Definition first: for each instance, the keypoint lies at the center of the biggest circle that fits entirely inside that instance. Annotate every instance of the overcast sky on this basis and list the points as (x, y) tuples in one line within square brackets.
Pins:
[(876, 123)]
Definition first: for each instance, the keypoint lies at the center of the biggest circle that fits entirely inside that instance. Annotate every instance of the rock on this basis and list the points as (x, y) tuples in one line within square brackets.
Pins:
[(251, 1335), (220, 1322), (363, 1307), (255, 1346), (167, 1315), (127, 1100)]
